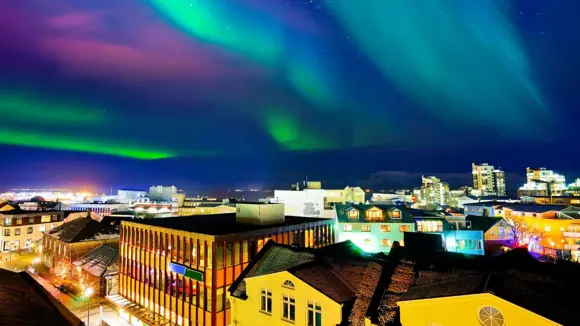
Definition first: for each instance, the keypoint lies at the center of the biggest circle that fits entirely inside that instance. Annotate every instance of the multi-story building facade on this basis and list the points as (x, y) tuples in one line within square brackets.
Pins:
[(162, 193), (488, 180), (316, 202), (205, 208), (542, 182), (103, 209), (373, 228), (433, 191), (130, 195), (20, 229), (176, 272)]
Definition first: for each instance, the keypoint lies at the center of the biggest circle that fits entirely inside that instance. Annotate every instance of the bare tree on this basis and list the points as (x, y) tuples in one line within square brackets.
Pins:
[(522, 233)]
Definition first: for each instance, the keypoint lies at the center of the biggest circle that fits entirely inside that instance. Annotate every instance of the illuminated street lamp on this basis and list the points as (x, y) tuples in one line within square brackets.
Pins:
[(88, 293)]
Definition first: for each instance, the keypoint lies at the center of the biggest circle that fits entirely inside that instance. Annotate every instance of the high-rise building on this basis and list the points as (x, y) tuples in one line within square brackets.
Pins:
[(542, 182), (488, 180), (434, 191)]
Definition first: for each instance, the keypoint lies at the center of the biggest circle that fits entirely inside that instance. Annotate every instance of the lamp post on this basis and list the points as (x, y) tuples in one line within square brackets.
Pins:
[(88, 293)]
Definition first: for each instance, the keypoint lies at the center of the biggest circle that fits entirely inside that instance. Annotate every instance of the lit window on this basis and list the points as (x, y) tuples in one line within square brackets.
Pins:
[(374, 214), (385, 228), (45, 218), (547, 228), (288, 284), (575, 201), (6, 232), (386, 243), (30, 230), (366, 228), (266, 301), (314, 314), (353, 213), (347, 227), (17, 231), (404, 228), (288, 308), (42, 228), (396, 213), (402, 243), (18, 221), (8, 221)]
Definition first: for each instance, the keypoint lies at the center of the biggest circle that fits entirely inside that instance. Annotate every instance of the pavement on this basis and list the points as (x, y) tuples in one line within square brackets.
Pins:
[(17, 262)]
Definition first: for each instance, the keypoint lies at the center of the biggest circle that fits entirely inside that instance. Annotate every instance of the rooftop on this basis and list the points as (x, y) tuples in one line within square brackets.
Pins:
[(26, 303), (99, 261), (18, 211), (86, 229), (220, 224), (343, 209)]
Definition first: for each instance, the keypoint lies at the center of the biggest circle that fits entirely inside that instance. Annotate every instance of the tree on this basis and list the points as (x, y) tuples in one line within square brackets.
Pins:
[(522, 233)]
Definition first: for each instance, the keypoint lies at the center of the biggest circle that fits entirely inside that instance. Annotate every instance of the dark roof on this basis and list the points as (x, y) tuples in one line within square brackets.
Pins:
[(534, 208), (27, 303), (99, 260), (484, 203), (219, 224), (482, 223), (549, 290), (18, 211), (343, 209), (86, 229)]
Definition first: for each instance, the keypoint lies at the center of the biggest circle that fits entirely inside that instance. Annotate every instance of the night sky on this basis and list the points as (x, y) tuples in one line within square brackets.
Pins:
[(203, 93)]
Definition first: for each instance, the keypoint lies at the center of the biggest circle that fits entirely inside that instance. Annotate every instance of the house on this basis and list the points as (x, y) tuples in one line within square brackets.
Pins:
[(22, 229), (373, 227), (497, 232), (336, 285), (27, 303), (100, 268), (482, 208)]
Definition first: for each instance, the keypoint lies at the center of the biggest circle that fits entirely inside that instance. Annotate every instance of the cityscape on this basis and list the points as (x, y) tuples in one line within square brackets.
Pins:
[(289, 163)]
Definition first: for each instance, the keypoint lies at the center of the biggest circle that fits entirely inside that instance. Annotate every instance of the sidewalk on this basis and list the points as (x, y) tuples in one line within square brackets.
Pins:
[(63, 298)]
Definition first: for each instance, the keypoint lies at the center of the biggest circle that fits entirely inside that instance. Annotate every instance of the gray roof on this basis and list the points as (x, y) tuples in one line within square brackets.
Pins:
[(100, 261), (86, 229)]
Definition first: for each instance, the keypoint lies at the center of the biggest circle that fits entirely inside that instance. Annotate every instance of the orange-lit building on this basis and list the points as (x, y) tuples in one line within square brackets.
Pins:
[(558, 200), (176, 271)]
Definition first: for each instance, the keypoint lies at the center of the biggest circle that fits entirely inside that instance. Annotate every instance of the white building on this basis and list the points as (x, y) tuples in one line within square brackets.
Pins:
[(162, 193), (433, 191), (19, 229), (542, 182), (102, 209), (307, 202), (130, 195)]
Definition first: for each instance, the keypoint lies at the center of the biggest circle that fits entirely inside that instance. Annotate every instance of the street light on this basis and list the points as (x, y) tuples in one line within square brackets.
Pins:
[(88, 292)]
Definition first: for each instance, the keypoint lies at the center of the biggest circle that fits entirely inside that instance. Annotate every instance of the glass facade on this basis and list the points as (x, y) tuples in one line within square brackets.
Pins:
[(183, 276)]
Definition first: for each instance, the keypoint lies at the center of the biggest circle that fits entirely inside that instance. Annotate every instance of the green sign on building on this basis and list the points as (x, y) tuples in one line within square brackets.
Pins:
[(186, 272)]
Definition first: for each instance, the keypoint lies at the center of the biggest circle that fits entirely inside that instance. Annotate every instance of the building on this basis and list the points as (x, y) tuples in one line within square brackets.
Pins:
[(175, 271), (309, 287), (497, 233), (100, 268), (574, 188), (205, 208), (512, 289), (542, 182), (75, 238), (555, 200), (373, 228), (104, 209), (29, 304), (483, 208), (433, 192), (162, 193), (316, 202), (20, 230), (127, 196), (146, 208), (488, 180)]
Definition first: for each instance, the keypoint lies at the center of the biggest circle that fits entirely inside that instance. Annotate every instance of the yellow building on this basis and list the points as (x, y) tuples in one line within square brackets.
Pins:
[(306, 287), (343, 196), (465, 310), (201, 208), (557, 200)]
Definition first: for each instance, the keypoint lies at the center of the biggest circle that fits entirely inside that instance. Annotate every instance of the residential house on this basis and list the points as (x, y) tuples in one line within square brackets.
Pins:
[(100, 268), (21, 229), (374, 228)]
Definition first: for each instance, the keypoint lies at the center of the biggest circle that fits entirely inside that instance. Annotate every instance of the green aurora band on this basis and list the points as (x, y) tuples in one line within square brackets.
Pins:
[(460, 59)]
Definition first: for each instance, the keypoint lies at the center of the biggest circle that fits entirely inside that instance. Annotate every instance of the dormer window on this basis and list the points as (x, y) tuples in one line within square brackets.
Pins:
[(395, 213), (374, 214), (353, 214), (288, 284)]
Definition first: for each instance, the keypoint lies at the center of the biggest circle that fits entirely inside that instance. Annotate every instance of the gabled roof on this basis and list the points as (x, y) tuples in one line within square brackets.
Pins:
[(26, 303), (482, 223), (86, 229), (343, 209), (100, 260)]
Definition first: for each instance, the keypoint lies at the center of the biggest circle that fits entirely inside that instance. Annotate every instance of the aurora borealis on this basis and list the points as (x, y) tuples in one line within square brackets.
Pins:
[(162, 79)]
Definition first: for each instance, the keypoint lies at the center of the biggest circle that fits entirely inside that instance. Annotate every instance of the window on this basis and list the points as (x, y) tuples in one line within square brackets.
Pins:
[(8, 221), (288, 284), (366, 228), (54, 218), (314, 314), (288, 308), (347, 227), (385, 228), (266, 301), (353, 214), (429, 226), (19, 221), (402, 243), (6, 232), (386, 243), (374, 214), (29, 230), (45, 218), (31, 220), (404, 228), (575, 201), (42, 228), (490, 316), (6, 245), (368, 241), (17, 231), (396, 213)]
